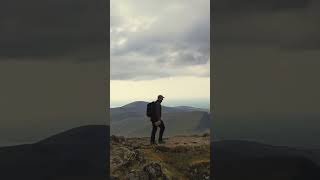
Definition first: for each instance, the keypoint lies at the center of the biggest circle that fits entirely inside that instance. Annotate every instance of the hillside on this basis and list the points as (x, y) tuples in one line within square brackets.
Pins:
[(130, 120), (79, 153), (234, 159), (182, 157)]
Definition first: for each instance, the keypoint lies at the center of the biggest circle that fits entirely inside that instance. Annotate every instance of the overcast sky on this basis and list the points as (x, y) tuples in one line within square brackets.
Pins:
[(267, 68), (267, 55), (160, 47), (52, 56)]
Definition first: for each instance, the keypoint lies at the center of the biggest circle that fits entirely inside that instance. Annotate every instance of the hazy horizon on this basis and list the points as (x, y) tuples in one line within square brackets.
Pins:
[(198, 103)]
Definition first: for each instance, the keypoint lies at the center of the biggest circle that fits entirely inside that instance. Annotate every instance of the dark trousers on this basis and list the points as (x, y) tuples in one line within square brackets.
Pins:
[(154, 131)]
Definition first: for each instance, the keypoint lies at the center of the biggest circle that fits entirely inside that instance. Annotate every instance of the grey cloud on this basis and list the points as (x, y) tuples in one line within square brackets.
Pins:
[(188, 38), (266, 61), (184, 58), (293, 28), (43, 29), (145, 69), (254, 6)]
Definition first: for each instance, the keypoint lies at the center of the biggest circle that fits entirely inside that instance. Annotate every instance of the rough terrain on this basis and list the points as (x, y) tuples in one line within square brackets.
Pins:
[(181, 157)]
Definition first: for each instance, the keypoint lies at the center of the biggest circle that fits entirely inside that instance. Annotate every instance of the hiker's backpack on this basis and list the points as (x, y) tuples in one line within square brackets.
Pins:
[(150, 108)]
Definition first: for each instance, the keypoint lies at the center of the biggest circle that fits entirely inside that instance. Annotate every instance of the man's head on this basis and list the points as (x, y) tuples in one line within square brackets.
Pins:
[(160, 98)]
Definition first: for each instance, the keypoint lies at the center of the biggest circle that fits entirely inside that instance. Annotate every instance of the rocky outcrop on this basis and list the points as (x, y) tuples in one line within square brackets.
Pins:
[(182, 157), (199, 170)]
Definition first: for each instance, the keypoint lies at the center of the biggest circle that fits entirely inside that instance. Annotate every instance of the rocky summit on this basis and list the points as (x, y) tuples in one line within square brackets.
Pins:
[(181, 157)]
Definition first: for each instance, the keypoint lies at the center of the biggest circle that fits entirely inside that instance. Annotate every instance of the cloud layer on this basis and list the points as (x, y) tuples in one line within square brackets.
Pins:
[(280, 24), (53, 30), (159, 39), (266, 56)]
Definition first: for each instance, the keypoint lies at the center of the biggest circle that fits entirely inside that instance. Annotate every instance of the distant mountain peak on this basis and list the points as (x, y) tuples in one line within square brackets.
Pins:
[(143, 104), (136, 103)]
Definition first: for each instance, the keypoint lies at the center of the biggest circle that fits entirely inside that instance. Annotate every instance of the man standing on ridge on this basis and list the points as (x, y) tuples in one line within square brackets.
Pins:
[(157, 121)]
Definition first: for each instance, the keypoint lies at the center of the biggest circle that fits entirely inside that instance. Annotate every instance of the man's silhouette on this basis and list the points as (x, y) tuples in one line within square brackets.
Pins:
[(157, 121)]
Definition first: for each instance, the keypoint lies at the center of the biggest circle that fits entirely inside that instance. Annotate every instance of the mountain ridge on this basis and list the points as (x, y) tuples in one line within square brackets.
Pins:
[(131, 120), (142, 105)]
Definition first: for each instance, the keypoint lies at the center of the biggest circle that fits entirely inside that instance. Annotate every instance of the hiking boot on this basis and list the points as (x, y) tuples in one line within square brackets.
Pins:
[(153, 143), (161, 142)]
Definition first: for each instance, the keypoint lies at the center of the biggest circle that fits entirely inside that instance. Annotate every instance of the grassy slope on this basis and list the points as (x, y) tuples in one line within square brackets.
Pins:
[(176, 123), (175, 163)]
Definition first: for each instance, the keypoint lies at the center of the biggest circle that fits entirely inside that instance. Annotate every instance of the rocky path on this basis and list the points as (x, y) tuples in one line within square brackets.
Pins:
[(181, 157)]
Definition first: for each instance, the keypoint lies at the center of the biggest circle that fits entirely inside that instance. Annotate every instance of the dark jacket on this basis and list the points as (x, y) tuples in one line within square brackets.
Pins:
[(157, 112)]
